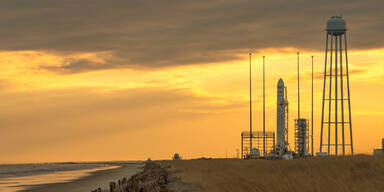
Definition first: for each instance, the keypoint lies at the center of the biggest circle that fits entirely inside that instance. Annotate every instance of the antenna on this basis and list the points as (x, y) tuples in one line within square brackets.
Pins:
[(264, 106), (250, 101)]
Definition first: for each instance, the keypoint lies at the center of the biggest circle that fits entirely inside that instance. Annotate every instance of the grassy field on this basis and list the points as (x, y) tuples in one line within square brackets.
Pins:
[(358, 173)]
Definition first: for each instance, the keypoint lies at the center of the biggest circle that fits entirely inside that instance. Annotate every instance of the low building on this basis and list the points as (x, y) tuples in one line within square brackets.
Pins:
[(378, 152)]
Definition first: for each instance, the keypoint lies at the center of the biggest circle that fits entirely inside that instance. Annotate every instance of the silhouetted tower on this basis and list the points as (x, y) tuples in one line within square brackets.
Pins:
[(336, 107)]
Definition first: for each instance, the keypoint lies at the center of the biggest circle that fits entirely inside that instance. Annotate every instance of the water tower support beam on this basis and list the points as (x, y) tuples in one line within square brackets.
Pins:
[(336, 95), (325, 80), (342, 94), (349, 95), (330, 96)]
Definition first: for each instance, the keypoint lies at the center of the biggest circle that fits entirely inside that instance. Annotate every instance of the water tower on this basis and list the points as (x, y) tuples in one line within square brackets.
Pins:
[(336, 124)]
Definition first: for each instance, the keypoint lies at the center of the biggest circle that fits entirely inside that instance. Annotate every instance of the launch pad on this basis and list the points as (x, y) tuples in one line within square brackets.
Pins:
[(336, 100)]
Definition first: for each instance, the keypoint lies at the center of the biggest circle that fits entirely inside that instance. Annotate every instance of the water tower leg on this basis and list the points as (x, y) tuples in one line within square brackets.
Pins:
[(349, 95), (325, 78), (336, 95), (342, 94), (330, 97)]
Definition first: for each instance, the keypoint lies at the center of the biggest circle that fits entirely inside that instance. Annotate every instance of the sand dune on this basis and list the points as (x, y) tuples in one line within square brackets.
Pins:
[(358, 173)]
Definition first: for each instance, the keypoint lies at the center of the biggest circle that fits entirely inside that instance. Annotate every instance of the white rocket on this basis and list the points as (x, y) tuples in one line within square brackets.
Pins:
[(282, 118)]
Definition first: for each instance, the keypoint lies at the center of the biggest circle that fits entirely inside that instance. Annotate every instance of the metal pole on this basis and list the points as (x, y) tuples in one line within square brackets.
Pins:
[(287, 111), (298, 86), (342, 94), (336, 146), (330, 97), (250, 101), (264, 106), (349, 95), (325, 78), (312, 113), (241, 145)]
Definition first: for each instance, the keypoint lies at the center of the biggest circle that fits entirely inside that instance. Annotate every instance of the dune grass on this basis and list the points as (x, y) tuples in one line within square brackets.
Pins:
[(358, 173)]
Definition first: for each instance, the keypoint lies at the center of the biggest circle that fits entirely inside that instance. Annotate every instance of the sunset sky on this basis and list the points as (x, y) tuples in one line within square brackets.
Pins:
[(98, 80)]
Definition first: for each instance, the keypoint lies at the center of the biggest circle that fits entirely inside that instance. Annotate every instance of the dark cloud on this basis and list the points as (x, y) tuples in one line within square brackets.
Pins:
[(76, 65), (171, 32)]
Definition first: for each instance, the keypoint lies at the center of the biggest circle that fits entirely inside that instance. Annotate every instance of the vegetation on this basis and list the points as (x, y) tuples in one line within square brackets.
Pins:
[(357, 173)]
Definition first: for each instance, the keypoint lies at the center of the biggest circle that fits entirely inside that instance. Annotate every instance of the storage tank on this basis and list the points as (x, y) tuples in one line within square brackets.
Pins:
[(336, 25), (176, 156), (255, 152)]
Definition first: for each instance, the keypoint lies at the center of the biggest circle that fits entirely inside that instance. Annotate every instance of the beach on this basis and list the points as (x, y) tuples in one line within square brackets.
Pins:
[(93, 181), (73, 177)]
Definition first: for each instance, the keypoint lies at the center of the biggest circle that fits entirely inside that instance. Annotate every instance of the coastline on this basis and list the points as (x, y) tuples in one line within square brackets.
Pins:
[(232, 175), (96, 179)]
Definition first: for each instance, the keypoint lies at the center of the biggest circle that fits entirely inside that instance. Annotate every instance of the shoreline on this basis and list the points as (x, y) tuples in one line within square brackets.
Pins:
[(96, 179), (232, 175)]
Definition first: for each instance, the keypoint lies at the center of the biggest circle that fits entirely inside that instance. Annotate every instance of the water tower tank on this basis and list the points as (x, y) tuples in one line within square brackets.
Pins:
[(336, 25)]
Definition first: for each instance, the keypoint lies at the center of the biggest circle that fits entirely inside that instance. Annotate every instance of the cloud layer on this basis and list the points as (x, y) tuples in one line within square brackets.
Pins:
[(152, 34)]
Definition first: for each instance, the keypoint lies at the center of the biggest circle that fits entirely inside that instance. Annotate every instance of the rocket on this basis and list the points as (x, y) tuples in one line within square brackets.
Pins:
[(282, 115)]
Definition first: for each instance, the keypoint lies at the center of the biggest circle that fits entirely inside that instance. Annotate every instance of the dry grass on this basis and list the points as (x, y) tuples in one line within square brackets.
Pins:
[(358, 173)]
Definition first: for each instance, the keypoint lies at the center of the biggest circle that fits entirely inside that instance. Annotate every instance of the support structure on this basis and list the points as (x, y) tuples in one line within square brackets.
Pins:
[(301, 137), (338, 123), (257, 139)]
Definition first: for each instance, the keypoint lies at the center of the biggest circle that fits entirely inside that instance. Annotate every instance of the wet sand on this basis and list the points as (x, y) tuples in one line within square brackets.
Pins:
[(93, 181)]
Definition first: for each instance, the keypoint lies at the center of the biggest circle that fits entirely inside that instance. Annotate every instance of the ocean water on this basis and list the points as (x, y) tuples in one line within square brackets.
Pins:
[(18, 177)]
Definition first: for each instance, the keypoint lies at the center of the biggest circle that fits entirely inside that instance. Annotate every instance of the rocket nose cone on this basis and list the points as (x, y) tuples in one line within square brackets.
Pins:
[(280, 83)]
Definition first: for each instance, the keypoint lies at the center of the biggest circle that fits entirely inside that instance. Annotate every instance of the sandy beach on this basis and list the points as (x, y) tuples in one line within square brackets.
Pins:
[(93, 181)]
